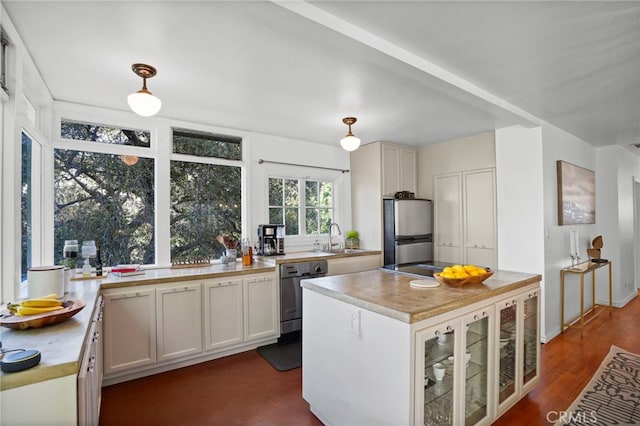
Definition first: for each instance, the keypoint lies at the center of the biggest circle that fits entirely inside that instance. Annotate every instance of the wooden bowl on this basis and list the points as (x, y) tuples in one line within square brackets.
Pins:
[(69, 308), (459, 282)]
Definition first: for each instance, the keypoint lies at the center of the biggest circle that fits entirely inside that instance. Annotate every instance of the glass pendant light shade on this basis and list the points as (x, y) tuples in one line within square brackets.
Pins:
[(144, 103), (350, 143)]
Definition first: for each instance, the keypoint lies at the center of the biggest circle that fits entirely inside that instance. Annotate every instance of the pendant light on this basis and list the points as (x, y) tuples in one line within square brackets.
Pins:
[(143, 102), (349, 142)]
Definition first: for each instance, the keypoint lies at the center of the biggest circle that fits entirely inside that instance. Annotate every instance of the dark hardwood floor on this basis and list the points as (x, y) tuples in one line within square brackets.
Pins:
[(244, 389)]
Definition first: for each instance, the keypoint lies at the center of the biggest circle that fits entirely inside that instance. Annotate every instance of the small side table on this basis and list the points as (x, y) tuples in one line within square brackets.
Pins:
[(582, 269)]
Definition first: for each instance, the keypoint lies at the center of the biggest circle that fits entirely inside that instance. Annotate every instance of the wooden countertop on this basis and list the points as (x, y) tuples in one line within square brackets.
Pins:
[(391, 294), (305, 256)]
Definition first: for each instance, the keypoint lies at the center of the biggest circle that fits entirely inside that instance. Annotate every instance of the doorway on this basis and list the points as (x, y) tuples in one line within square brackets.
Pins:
[(636, 227)]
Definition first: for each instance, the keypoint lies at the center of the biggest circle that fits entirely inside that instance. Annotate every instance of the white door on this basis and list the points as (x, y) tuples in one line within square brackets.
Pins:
[(480, 218), (179, 325), (261, 311), (447, 203), (223, 324)]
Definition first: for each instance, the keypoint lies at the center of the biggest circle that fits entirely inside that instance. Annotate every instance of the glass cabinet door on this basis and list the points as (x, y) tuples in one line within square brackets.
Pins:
[(476, 368), (507, 350), (436, 350), (531, 338)]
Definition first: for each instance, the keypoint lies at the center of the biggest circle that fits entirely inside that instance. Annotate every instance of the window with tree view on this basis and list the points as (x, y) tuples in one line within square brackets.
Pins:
[(305, 207), (206, 193), (105, 197)]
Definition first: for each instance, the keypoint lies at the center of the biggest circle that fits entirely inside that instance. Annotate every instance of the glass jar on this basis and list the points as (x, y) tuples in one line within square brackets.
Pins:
[(70, 249)]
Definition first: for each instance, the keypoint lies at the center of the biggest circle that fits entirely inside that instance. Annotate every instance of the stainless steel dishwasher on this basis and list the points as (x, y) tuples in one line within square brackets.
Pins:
[(291, 292)]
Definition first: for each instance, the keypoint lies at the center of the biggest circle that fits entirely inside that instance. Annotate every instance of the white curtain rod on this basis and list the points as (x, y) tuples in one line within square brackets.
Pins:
[(260, 161)]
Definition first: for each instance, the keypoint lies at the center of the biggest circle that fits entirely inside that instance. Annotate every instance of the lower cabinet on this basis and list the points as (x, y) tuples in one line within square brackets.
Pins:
[(179, 321), (149, 328), (471, 369), (90, 372), (129, 328)]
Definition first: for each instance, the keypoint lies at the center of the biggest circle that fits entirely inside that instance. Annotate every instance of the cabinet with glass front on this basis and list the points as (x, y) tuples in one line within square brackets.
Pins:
[(455, 360)]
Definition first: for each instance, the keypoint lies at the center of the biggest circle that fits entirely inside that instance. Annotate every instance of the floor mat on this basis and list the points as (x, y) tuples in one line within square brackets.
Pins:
[(283, 356)]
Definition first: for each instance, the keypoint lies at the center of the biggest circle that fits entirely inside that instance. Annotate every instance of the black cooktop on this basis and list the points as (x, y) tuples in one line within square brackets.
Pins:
[(423, 269)]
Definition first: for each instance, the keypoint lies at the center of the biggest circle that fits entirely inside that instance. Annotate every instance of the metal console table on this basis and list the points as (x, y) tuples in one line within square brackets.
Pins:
[(582, 269)]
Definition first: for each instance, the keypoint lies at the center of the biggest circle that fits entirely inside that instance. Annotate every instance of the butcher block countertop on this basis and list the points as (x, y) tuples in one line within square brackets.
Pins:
[(391, 294)]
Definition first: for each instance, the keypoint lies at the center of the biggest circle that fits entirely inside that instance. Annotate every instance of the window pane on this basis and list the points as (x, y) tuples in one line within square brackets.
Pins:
[(206, 144), (100, 197), (275, 193), (25, 201), (311, 194), (291, 221), (104, 134), (326, 194), (291, 197), (205, 203), (312, 221), (326, 217), (275, 216)]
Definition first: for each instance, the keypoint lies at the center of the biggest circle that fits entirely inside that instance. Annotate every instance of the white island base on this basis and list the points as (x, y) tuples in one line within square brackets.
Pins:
[(370, 364)]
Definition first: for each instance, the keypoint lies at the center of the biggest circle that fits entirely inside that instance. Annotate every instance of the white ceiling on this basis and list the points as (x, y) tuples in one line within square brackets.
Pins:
[(413, 72)]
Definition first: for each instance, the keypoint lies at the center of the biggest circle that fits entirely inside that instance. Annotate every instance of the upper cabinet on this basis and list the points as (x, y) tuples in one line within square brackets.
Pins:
[(378, 169), (398, 169), (465, 217)]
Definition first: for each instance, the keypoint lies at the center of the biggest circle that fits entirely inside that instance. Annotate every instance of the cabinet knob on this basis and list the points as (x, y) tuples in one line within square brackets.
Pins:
[(449, 328), (484, 314), (437, 333), (475, 317)]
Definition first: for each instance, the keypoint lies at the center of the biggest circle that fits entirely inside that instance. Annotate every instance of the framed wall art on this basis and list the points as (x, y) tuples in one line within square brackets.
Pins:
[(576, 194)]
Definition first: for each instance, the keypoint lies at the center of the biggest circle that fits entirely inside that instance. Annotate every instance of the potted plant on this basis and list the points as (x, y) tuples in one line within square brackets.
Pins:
[(352, 240)]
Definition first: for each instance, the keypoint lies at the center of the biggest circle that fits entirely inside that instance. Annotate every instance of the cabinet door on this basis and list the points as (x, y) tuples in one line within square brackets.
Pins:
[(448, 218), (435, 375), (129, 329), (531, 340), (407, 171), (261, 314), (506, 361), (480, 217), (88, 382), (179, 321), (222, 313), (390, 170), (477, 353)]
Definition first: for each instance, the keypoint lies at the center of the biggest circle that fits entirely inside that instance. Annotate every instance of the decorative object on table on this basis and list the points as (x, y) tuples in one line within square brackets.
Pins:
[(193, 263), (247, 252), (574, 251), (70, 253), (458, 275), (127, 270), (404, 195), (611, 397), (69, 308), (595, 251), (576, 194), (89, 251), (19, 360), (352, 241)]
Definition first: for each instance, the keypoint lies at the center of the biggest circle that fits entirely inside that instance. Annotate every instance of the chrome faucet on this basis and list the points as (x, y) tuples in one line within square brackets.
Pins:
[(331, 244)]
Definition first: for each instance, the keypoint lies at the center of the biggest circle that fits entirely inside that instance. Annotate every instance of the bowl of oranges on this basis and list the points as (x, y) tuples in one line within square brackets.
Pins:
[(459, 275)]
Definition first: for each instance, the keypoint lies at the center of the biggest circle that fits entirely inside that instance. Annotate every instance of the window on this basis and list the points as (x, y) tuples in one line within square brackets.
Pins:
[(26, 196), (206, 193), (105, 197), (305, 207)]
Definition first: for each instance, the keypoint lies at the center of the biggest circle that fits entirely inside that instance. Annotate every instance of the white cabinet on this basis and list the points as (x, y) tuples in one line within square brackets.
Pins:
[(398, 169), (223, 313), (179, 321), (129, 329), (465, 217), (90, 372), (348, 265), (448, 218), (261, 307)]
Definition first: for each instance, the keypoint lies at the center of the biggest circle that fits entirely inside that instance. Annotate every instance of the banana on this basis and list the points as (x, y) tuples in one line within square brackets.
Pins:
[(27, 310), (40, 303)]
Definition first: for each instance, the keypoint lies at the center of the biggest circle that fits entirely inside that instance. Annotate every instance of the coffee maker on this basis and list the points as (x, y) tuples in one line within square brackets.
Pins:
[(270, 240)]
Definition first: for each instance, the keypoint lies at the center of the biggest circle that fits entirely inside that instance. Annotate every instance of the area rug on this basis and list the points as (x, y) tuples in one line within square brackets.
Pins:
[(612, 397), (283, 356)]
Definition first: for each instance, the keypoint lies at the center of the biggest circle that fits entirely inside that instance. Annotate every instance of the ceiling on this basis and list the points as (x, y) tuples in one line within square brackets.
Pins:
[(414, 72)]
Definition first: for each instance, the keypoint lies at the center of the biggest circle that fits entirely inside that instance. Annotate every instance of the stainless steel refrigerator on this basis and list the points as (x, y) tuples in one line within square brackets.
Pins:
[(408, 231)]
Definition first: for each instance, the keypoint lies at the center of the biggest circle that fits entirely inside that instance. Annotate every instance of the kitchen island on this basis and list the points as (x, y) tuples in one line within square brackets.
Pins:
[(370, 340)]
